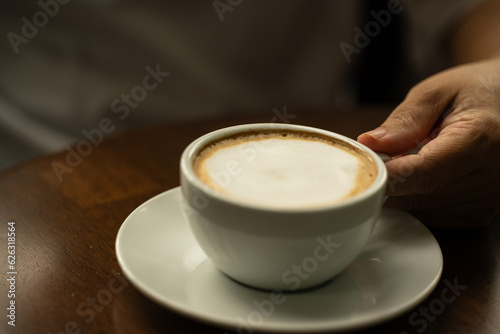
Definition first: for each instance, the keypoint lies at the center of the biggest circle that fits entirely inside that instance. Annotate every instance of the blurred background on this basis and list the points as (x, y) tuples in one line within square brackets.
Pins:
[(68, 66)]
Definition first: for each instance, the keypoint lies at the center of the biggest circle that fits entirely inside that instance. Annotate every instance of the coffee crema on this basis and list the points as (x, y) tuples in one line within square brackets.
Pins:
[(285, 168)]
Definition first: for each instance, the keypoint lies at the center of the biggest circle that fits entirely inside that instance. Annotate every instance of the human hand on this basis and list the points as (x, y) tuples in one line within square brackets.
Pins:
[(454, 116)]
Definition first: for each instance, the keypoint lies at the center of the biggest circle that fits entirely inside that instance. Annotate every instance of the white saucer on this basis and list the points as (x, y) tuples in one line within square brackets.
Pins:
[(398, 269)]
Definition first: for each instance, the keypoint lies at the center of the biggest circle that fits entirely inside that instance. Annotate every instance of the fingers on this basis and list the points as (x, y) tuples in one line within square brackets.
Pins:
[(452, 181), (412, 120), (461, 148)]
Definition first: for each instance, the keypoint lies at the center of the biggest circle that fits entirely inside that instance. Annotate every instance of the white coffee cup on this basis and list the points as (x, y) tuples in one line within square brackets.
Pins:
[(280, 247)]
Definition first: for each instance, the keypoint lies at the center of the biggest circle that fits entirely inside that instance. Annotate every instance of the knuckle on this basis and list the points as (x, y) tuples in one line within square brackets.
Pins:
[(406, 118), (420, 174), (426, 91), (428, 177), (480, 121), (481, 133)]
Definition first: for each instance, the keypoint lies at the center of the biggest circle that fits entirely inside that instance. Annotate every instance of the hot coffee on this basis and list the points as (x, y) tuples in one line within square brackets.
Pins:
[(285, 168), (260, 198)]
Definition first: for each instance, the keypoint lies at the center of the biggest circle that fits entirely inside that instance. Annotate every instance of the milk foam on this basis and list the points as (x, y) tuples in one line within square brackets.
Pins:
[(282, 172)]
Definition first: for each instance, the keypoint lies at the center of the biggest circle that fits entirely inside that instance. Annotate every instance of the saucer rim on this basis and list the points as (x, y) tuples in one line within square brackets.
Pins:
[(224, 322)]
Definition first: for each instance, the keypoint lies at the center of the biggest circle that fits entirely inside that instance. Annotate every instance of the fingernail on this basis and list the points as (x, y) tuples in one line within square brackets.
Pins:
[(377, 133)]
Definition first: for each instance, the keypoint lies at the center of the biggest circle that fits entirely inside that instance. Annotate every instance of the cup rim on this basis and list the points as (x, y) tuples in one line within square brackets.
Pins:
[(186, 167)]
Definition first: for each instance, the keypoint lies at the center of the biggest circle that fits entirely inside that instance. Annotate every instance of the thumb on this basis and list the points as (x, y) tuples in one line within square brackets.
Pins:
[(409, 124)]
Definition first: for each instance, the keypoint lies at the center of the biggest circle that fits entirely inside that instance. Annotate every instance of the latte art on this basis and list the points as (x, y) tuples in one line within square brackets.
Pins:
[(285, 169)]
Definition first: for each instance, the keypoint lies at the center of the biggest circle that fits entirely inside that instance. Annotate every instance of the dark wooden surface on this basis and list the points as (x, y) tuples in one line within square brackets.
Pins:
[(68, 279)]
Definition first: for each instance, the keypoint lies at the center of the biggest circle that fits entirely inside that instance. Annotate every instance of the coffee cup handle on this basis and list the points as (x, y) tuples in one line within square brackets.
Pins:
[(385, 157)]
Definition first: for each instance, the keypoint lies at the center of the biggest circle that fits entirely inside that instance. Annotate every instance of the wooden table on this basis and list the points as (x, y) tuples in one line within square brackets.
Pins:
[(67, 279)]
